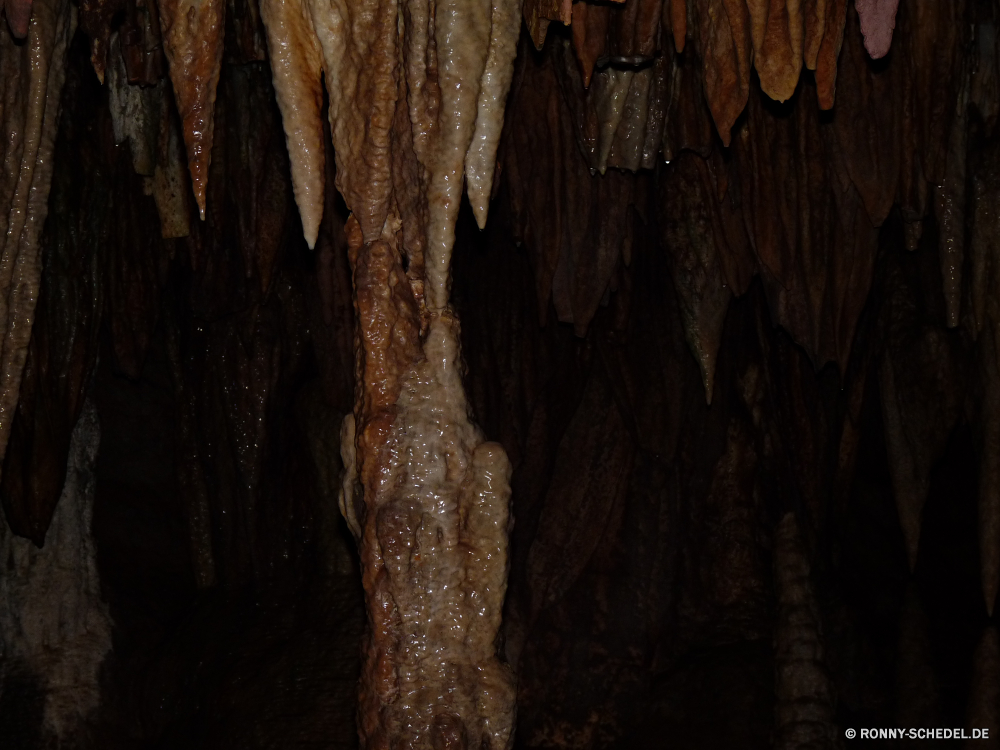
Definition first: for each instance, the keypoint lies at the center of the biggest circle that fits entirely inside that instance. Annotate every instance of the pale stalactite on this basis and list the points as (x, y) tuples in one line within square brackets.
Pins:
[(878, 19), (53, 624), (31, 77), (296, 66), (192, 40), (804, 713), (462, 31), (358, 45), (480, 162)]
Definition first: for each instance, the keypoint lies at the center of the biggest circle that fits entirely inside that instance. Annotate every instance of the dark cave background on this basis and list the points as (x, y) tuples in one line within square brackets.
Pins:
[(641, 604)]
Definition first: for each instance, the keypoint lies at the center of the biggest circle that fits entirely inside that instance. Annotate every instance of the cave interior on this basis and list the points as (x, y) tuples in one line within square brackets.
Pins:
[(426, 374)]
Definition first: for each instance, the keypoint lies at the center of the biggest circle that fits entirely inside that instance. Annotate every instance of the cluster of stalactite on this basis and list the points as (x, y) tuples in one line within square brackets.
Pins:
[(681, 177)]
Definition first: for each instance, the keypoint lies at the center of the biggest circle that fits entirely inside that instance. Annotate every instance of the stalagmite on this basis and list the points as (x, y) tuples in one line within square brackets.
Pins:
[(431, 502), (878, 19), (480, 162), (804, 712), (192, 41), (31, 78), (983, 708)]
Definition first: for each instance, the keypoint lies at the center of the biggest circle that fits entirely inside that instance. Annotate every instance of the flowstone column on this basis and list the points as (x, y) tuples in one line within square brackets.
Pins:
[(416, 91)]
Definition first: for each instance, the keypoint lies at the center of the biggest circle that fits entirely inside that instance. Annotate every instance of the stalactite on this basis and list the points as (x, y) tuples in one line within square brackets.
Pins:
[(539, 13), (829, 52), (18, 14), (192, 40), (723, 36), (812, 226), (480, 162), (777, 33), (32, 75), (135, 112), (96, 17), (63, 350), (698, 275), (296, 65), (678, 23), (590, 36), (576, 245), (170, 184), (866, 123), (804, 713), (878, 19)]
